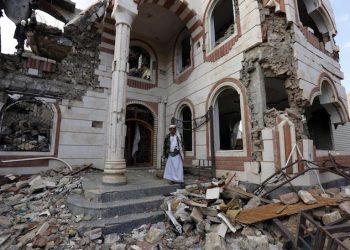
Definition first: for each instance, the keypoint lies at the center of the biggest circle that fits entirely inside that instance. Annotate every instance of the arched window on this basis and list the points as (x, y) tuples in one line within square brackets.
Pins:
[(27, 125), (183, 52), (140, 63), (221, 22), (228, 120), (186, 117)]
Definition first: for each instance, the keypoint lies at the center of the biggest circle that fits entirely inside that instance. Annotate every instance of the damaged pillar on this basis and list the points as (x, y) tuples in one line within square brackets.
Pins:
[(258, 94), (124, 12)]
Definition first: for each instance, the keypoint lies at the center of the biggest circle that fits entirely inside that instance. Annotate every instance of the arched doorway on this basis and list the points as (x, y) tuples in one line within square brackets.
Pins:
[(139, 136)]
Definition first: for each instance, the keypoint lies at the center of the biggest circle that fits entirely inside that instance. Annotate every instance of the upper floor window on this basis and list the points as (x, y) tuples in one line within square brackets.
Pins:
[(222, 22), (140, 63), (183, 52), (315, 17)]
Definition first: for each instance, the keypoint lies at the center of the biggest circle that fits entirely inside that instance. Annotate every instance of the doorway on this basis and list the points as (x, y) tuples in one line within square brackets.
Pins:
[(139, 136)]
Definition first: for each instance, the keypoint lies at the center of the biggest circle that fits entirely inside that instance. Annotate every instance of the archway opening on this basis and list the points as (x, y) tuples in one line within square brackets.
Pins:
[(139, 136), (319, 125)]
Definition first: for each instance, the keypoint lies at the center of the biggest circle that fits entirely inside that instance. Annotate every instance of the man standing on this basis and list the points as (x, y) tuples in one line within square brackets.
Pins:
[(173, 152)]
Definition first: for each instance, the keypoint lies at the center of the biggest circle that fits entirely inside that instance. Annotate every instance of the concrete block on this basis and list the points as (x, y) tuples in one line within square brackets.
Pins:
[(289, 198), (331, 217), (306, 197), (212, 193)]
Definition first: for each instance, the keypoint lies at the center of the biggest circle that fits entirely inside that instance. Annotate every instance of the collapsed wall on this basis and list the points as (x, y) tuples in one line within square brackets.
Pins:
[(60, 73), (272, 59)]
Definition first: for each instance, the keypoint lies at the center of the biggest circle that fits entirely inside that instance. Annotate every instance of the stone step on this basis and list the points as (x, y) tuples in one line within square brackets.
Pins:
[(114, 195), (79, 205), (124, 223)]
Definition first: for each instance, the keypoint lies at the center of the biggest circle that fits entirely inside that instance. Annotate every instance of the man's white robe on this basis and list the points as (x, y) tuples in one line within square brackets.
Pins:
[(174, 165)]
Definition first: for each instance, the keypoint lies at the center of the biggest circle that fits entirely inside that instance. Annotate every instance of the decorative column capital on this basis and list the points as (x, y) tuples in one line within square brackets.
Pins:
[(124, 11)]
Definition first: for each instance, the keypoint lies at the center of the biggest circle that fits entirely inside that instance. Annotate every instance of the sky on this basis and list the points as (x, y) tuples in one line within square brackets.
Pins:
[(341, 10)]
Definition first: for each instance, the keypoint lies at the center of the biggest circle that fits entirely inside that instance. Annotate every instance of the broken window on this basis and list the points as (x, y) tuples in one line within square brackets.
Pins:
[(140, 65), (183, 52), (26, 125), (319, 126), (228, 121), (221, 22), (186, 117), (276, 95), (312, 19)]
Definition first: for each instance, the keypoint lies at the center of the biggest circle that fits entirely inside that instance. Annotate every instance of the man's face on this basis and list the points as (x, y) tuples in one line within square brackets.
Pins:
[(172, 131)]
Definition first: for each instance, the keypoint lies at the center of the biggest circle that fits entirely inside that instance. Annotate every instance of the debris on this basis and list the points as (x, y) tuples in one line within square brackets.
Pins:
[(306, 197), (196, 215), (4, 238), (289, 198), (212, 193), (253, 203), (267, 212), (214, 242), (118, 246), (5, 221), (331, 217), (345, 207), (222, 230), (154, 235), (42, 230), (227, 222), (173, 220), (112, 238), (94, 234)]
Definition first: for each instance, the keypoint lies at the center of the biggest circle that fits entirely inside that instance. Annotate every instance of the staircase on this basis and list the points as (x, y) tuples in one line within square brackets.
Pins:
[(119, 209)]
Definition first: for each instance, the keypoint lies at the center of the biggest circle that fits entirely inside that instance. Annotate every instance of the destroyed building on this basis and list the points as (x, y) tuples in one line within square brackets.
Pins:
[(254, 85)]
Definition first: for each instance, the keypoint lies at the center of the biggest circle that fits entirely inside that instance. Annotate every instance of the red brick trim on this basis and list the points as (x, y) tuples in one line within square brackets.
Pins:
[(183, 6), (36, 163), (152, 106), (245, 108), (138, 84), (231, 163), (169, 3)]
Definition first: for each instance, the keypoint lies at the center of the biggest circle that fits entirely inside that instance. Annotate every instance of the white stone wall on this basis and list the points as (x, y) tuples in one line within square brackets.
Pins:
[(206, 74), (80, 142)]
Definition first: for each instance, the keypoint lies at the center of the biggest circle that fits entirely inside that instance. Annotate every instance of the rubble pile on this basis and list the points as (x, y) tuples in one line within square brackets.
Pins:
[(33, 212), (218, 214), (222, 215)]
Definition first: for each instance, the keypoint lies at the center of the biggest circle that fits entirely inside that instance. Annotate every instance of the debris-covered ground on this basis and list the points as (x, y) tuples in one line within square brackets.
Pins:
[(216, 214)]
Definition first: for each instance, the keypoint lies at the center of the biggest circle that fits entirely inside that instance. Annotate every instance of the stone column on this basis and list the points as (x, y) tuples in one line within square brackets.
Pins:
[(124, 12)]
